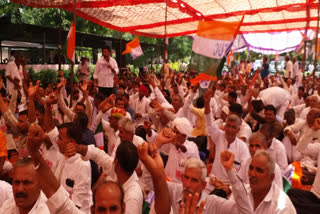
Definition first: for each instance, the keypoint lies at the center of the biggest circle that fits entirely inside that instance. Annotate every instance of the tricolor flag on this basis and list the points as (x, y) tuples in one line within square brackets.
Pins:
[(211, 45), (230, 58), (98, 136), (71, 42), (305, 38), (133, 48)]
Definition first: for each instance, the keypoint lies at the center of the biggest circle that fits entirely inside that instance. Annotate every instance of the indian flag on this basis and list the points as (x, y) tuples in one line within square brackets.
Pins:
[(98, 136), (287, 177), (211, 45), (133, 48), (71, 42)]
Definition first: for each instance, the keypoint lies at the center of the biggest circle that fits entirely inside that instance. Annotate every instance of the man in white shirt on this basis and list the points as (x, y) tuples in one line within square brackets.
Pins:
[(5, 192), (28, 197), (265, 195), (275, 147), (83, 70), (295, 70), (225, 140), (14, 74), (106, 68), (140, 103), (257, 141), (245, 130), (121, 168), (193, 184), (308, 201), (276, 96), (289, 67), (298, 99), (179, 149), (58, 198), (73, 172)]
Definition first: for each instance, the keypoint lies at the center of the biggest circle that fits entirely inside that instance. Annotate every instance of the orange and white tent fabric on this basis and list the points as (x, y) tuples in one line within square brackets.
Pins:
[(147, 17)]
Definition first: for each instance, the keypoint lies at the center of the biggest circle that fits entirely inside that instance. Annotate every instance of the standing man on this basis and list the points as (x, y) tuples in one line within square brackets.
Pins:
[(265, 68), (295, 72), (289, 67), (84, 70), (14, 74), (104, 72)]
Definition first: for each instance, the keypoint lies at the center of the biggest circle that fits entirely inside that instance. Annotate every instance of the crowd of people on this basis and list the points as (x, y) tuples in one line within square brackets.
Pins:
[(155, 143)]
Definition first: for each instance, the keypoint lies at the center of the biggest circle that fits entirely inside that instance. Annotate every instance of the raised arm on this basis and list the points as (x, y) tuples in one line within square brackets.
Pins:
[(241, 203), (97, 155), (212, 128), (68, 112), (83, 88), (32, 90), (48, 119), (58, 198), (152, 160)]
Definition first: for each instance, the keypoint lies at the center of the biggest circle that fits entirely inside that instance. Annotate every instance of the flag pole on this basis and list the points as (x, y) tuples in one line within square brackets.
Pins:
[(72, 63), (59, 36), (165, 33), (316, 51), (304, 57)]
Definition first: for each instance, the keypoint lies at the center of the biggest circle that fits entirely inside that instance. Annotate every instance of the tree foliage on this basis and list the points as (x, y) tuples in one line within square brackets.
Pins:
[(179, 48)]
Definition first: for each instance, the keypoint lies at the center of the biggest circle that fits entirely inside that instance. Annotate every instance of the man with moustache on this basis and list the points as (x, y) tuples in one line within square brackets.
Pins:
[(104, 72), (28, 198), (193, 184), (265, 195)]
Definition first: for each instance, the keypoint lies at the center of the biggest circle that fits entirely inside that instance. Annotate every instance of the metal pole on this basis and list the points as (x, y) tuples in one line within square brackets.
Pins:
[(0, 52), (120, 50), (304, 57), (316, 50), (72, 64), (165, 33), (59, 46), (44, 48)]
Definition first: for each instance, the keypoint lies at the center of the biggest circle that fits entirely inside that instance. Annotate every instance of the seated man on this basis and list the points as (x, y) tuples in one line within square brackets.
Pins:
[(27, 195), (178, 148), (305, 201), (225, 140), (121, 169), (275, 147), (257, 141), (108, 197), (73, 172), (265, 195), (193, 183)]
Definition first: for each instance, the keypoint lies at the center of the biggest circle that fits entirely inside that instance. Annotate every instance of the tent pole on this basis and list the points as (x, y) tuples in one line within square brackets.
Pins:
[(304, 57), (59, 46), (72, 64), (316, 51), (44, 48), (165, 33)]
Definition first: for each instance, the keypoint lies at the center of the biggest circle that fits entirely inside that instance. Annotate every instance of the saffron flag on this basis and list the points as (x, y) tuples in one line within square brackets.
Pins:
[(71, 42), (133, 48), (211, 45)]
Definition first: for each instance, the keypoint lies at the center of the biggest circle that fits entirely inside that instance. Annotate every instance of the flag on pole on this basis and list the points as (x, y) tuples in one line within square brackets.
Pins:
[(71, 42), (134, 48), (98, 136), (211, 45), (305, 38), (230, 58)]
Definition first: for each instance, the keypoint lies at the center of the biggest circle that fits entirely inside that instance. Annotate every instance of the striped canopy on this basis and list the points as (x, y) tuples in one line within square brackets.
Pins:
[(148, 17)]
